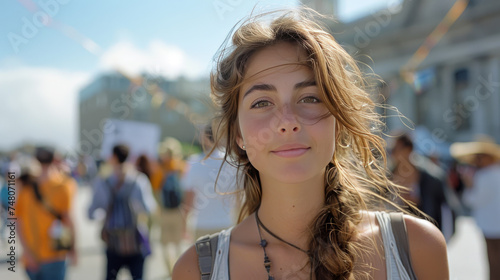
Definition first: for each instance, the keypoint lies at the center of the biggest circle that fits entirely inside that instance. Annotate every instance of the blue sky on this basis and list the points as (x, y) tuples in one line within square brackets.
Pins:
[(43, 67), (196, 27)]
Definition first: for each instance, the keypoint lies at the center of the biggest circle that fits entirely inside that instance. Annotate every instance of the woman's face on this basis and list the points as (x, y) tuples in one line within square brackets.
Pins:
[(282, 118)]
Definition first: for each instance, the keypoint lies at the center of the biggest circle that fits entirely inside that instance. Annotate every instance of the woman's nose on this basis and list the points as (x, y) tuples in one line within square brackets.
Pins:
[(287, 120)]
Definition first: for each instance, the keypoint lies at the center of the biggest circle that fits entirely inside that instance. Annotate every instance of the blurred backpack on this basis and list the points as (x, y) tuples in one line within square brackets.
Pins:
[(4, 195), (121, 231), (171, 191)]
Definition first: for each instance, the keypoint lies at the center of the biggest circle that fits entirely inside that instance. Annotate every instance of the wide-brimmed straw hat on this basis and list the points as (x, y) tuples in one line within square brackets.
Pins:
[(466, 151), (170, 146)]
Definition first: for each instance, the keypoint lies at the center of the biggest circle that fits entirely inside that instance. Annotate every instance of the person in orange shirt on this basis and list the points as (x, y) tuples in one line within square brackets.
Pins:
[(169, 159), (170, 219), (37, 221)]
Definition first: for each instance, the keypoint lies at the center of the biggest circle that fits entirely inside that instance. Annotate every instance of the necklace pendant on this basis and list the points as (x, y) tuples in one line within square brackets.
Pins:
[(267, 261), (267, 264), (270, 277), (263, 243)]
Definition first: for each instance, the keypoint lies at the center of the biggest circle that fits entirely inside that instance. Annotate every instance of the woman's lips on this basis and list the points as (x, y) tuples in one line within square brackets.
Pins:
[(290, 153)]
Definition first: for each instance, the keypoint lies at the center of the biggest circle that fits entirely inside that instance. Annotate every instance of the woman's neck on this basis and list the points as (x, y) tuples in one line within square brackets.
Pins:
[(288, 209)]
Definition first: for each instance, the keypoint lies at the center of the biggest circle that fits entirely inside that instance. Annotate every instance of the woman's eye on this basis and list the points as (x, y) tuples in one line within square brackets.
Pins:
[(310, 99), (261, 104)]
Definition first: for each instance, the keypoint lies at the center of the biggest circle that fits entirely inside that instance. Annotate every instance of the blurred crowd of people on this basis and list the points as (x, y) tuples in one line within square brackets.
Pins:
[(41, 201), (469, 184), (132, 196), (187, 197)]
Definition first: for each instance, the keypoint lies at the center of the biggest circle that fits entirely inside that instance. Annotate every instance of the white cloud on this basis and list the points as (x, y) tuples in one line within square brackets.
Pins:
[(39, 106), (160, 58)]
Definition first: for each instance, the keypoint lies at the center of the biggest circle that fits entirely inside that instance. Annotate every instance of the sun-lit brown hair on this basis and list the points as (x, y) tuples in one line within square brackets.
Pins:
[(355, 179)]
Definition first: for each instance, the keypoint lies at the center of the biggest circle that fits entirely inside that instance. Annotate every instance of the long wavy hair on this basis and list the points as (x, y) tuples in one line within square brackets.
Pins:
[(355, 178)]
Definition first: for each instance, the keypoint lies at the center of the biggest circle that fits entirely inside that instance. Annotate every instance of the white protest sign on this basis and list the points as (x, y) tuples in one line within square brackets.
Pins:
[(141, 137)]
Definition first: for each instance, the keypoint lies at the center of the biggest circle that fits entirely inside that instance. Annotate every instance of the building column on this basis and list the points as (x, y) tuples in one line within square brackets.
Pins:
[(447, 88), (492, 91)]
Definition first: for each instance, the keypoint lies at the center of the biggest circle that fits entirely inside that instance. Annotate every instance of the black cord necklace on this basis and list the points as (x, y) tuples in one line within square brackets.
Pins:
[(263, 244)]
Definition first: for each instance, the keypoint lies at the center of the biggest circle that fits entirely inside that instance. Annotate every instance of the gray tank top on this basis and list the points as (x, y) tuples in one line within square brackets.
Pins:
[(394, 265)]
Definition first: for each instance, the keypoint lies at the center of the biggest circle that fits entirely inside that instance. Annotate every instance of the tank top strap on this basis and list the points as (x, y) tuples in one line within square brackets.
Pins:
[(394, 266), (221, 264)]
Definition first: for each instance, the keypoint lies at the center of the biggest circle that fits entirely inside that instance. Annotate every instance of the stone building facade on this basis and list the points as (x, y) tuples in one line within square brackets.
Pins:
[(176, 106), (453, 90)]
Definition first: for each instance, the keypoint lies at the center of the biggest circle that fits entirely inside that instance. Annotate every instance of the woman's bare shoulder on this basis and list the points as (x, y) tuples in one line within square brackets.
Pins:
[(427, 245), (427, 249), (186, 267)]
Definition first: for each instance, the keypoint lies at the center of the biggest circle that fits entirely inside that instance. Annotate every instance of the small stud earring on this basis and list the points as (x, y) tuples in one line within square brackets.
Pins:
[(243, 147)]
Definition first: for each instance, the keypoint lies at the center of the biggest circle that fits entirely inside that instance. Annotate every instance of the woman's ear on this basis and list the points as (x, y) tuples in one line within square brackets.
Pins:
[(239, 138), (239, 141)]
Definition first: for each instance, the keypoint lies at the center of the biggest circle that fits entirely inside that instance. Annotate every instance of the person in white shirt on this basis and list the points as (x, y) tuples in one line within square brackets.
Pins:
[(210, 207), (483, 193)]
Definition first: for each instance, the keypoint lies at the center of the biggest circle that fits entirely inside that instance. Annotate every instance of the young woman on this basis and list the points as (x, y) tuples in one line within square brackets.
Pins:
[(294, 116)]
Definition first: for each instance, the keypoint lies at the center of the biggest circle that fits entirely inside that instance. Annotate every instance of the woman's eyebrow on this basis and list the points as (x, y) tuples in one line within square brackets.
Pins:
[(263, 87), (305, 84)]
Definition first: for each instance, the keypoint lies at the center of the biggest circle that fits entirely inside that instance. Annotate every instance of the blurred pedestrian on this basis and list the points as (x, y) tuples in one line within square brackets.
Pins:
[(168, 192), (455, 180), (124, 195), (425, 190), (144, 165), (208, 210), (482, 192), (45, 226), (85, 169)]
